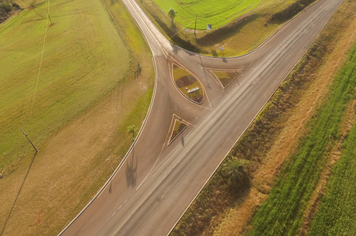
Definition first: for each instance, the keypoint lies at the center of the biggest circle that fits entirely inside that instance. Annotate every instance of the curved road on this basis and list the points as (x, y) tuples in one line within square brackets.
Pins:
[(157, 182)]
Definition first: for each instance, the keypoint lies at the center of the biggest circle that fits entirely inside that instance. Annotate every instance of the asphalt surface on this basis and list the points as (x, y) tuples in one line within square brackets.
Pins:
[(156, 183)]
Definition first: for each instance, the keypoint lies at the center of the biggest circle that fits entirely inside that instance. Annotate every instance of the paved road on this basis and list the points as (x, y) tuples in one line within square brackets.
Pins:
[(157, 182)]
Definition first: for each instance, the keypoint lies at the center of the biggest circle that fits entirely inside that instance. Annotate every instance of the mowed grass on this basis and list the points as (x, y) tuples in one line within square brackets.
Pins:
[(282, 213), (217, 13), (50, 74)]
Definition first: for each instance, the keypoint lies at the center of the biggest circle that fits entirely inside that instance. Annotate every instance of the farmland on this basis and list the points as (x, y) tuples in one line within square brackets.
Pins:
[(336, 214), (71, 85), (282, 213), (217, 13), (54, 72), (238, 33)]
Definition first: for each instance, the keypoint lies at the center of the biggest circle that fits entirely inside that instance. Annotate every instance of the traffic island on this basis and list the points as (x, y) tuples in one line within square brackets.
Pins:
[(187, 84), (178, 125)]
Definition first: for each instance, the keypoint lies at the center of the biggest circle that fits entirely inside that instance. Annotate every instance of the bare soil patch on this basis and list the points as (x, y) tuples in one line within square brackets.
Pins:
[(185, 81)]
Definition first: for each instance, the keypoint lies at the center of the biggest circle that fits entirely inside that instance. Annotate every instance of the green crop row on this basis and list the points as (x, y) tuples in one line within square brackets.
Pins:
[(337, 212), (282, 213)]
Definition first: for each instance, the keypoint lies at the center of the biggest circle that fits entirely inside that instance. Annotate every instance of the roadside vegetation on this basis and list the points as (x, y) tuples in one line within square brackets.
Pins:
[(238, 33), (273, 137), (74, 87)]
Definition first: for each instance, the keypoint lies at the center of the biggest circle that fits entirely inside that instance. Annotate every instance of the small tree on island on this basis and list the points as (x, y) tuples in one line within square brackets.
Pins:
[(172, 14)]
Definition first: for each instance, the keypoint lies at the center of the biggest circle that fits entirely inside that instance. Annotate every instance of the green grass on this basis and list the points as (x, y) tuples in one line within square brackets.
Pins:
[(83, 58), (217, 13), (238, 37), (337, 212), (282, 213)]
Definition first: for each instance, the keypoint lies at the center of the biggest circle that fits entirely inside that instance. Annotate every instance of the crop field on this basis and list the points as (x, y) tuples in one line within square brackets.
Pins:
[(217, 13), (282, 212), (337, 212), (49, 74), (238, 26)]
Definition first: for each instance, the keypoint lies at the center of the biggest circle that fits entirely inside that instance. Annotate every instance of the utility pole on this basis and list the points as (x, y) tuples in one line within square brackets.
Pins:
[(29, 139), (195, 28)]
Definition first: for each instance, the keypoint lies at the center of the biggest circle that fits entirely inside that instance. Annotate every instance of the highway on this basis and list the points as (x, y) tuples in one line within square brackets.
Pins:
[(156, 183)]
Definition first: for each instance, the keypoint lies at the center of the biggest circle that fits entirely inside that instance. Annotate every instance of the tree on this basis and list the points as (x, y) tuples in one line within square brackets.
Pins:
[(172, 14), (237, 175), (132, 130), (5, 9)]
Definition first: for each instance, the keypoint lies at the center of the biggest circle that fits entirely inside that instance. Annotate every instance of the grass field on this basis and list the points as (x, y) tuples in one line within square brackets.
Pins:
[(238, 36), (51, 74), (217, 13), (76, 111), (282, 213), (337, 213)]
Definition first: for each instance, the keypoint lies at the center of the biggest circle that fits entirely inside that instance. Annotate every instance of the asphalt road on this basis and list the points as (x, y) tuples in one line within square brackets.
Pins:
[(157, 182)]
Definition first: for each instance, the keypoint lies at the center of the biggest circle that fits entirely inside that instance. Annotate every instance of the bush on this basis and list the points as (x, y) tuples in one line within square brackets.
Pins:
[(5, 7)]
